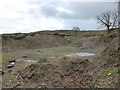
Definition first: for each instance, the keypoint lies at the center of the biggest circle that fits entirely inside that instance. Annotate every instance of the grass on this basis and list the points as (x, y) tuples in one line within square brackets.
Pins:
[(112, 71), (6, 80), (103, 76), (56, 51), (53, 51), (6, 57), (94, 37)]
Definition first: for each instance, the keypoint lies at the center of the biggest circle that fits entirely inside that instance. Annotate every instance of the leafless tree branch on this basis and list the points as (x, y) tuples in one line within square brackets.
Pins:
[(108, 19)]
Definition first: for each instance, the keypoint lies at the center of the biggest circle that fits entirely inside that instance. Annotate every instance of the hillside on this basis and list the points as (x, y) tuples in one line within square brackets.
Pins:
[(42, 39), (61, 59)]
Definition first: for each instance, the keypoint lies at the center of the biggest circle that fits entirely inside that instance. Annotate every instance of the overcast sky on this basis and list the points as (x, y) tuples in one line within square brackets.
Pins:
[(36, 15)]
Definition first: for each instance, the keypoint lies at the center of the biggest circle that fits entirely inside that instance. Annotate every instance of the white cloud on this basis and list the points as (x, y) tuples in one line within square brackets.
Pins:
[(16, 16), (64, 10), (36, 15), (50, 23), (10, 8)]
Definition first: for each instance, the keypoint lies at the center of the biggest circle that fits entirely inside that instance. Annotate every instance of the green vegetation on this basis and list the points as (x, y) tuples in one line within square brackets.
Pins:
[(93, 37), (104, 76), (112, 71), (7, 79), (6, 57), (56, 51)]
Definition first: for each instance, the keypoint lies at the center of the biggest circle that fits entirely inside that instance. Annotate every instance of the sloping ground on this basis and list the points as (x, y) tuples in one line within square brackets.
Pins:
[(68, 74), (53, 43), (107, 77), (31, 42), (111, 53), (43, 39), (100, 71), (108, 73)]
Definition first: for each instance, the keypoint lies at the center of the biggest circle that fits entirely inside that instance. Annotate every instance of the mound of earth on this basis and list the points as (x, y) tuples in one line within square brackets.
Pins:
[(70, 74)]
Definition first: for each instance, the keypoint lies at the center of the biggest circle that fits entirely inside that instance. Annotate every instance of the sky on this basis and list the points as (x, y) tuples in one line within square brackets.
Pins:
[(36, 15)]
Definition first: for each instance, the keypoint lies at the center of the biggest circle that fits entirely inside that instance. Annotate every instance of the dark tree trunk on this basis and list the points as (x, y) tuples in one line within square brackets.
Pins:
[(108, 29)]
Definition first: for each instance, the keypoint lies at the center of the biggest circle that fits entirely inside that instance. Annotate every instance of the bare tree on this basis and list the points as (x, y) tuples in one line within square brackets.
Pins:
[(114, 20), (108, 19), (119, 14)]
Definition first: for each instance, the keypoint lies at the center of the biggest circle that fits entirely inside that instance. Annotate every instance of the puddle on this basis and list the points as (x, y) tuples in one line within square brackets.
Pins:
[(81, 54), (55, 57), (76, 54), (31, 60)]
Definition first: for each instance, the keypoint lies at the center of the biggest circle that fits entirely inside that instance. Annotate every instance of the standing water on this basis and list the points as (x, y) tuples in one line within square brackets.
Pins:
[(81, 54)]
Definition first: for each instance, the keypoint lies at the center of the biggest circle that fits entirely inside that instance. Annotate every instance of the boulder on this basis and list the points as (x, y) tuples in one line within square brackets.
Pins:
[(24, 56), (1, 72), (109, 74), (10, 66), (12, 61), (85, 63)]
